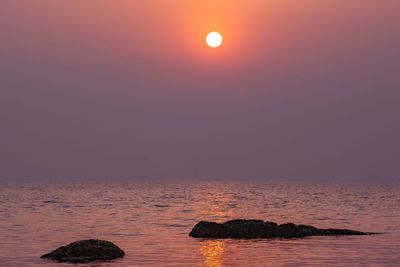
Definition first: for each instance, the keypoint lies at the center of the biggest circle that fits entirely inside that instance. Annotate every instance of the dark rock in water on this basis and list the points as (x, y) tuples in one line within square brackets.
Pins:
[(249, 229), (86, 251)]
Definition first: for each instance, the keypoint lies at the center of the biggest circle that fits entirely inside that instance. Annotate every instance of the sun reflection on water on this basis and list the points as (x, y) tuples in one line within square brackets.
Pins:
[(213, 251)]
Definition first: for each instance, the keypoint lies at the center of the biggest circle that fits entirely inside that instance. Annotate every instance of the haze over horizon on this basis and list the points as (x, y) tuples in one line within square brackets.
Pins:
[(128, 89)]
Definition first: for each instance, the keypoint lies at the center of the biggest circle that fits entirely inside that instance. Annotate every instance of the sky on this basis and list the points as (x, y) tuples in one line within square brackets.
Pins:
[(128, 90)]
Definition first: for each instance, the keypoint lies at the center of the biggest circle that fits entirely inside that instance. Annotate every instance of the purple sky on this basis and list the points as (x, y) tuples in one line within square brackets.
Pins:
[(121, 90)]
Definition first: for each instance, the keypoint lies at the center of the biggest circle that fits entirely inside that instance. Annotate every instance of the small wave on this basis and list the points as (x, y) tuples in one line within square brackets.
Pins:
[(186, 211), (173, 225), (50, 201), (161, 206)]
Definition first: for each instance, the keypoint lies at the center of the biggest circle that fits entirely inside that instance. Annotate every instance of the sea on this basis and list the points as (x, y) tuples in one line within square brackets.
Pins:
[(150, 221)]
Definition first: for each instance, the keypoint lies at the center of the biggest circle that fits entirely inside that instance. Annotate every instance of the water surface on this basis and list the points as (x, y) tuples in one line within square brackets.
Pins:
[(151, 222)]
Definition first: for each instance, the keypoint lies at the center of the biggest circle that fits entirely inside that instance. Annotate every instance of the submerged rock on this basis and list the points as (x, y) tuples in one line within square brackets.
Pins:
[(249, 229), (86, 251)]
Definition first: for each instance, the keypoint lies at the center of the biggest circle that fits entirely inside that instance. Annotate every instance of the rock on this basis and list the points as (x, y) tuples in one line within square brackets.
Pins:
[(249, 229), (86, 251)]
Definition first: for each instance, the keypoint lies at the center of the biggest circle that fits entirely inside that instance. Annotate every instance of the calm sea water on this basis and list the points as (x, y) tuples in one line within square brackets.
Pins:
[(151, 222)]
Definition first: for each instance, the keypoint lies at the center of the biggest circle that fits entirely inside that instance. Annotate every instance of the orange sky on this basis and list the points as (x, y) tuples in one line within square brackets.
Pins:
[(157, 30), (299, 83)]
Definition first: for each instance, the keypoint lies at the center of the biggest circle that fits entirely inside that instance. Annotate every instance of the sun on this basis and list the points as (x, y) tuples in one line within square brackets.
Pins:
[(214, 39)]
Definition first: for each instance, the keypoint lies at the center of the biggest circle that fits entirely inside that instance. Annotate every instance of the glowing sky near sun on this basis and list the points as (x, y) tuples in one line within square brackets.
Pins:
[(251, 28), (124, 88)]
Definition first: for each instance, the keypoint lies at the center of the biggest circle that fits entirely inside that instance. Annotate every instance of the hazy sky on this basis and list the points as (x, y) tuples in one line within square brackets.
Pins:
[(128, 89)]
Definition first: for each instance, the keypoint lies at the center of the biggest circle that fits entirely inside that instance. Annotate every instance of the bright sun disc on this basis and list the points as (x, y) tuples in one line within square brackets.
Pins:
[(214, 39)]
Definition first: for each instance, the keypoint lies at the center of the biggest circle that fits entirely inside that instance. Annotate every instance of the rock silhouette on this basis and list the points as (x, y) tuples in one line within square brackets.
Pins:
[(86, 251), (249, 229)]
